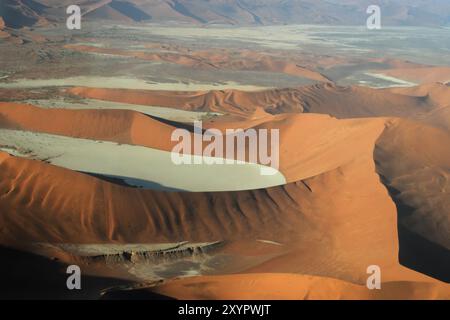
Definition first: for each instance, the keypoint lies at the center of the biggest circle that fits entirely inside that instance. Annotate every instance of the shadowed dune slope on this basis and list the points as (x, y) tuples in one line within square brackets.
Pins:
[(416, 170), (20, 13), (28, 276), (410, 156)]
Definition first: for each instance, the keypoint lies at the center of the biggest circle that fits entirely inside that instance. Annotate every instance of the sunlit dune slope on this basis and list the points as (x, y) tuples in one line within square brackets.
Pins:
[(316, 220), (439, 118), (295, 287), (230, 101), (309, 144), (122, 126), (437, 93), (341, 102), (243, 61)]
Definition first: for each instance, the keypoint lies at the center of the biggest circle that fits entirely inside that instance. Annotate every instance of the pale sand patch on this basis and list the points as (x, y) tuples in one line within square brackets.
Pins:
[(96, 249), (156, 111), (93, 44), (136, 165), (397, 82), (270, 242), (126, 83), (142, 261), (108, 55), (279, 37)]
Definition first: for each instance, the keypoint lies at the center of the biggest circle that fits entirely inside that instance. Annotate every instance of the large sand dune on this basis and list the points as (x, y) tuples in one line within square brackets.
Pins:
[(301, 216), (341, 102), (119, 82), (170, 114), (245, 61), (315, 219), (294, 287), (122, 126), (145, 167), (309, 144), (421, 75), (87, 175), (341, 182)]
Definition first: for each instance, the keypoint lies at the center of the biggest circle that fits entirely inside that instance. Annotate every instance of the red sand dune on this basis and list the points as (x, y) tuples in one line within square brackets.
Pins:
[(420, 75), (337, 172), (437, 93), (341, 102), (317, 219), (302, 155), (439, 118), (394, 63), (426, 103), (246, 60), (228, 101), (122, 126), (294, 287)]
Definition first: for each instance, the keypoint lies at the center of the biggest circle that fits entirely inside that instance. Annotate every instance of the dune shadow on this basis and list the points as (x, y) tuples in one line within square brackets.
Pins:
[(27, 276), (132, 182), (415, 251), (130, 10), (180, 125), (135, 294)]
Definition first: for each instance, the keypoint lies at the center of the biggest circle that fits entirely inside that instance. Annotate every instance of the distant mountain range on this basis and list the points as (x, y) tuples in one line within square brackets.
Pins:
[(19, 13)]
